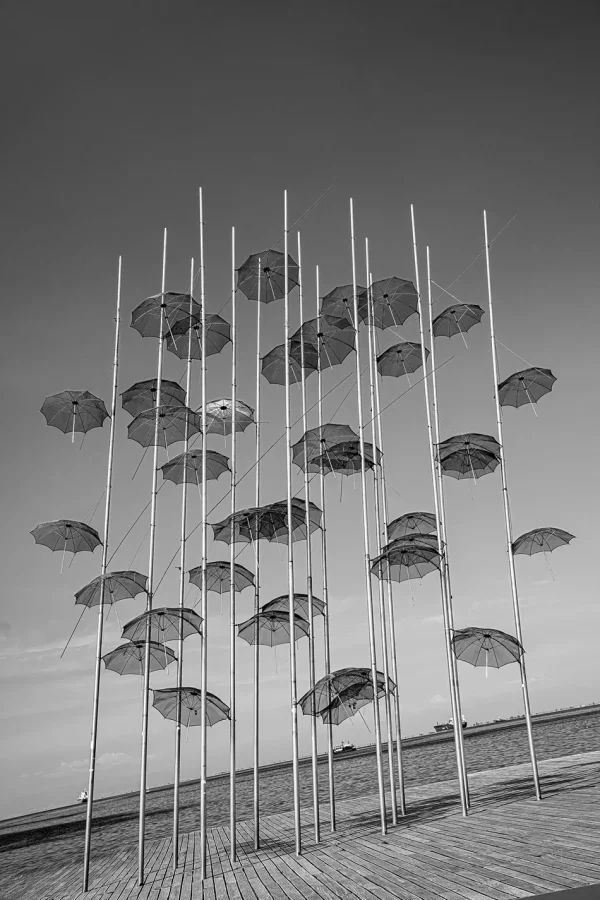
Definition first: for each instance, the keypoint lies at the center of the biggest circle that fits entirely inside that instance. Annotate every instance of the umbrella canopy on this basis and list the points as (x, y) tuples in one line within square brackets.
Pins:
[(345, 459), (467, 441), (412, 523), (407, 558), (401, 359), (267, 522), (174, 422), (282, 604), (72, 411), (184, 704), (218, 333), (486, 646), (117, 586), (469, 463), (273, 364), (457, 319), (188, 467), (272, 276), (319, 440), (339, 302), (168, 623), (541, 540), (146, 317), (141, 396), (329, 338), (67, 535), (394, 300), (218, 577), (242, 526), (129, 658), (525, 387), (220, 415), (272, 628), (333, 695), (347, 703), (298, 516)]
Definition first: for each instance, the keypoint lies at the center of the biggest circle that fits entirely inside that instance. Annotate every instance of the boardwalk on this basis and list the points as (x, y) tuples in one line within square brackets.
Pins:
[(509, 846)]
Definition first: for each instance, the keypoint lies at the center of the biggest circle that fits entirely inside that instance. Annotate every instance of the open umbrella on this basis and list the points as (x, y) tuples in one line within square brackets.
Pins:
[(72, 411), (541, 540), (117, 586), (327, 337), (141, 396), (457, 319), (272, 276), (169, 623), (525, 387), (66, 535), (469, 464), (339, 303), (282, 604), (272, 628), (171, 703), (218, 333), (218, 577), (298, 518), (407, 558), (337, 690), (319, 440), (188, 467), (220, 416), (486, 646), (469, 440), (412, 523), (176, 307), (401, 359), (345, 459), (273, 363), (394, 300), (173, 424), (128, 659)]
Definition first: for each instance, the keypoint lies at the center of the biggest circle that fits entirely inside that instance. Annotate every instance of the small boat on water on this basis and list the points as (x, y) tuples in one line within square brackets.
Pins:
[(344, 747), (449, 725), (82, 797)]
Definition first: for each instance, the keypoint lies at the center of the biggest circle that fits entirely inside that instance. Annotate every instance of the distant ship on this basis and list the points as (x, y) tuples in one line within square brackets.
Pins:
[(82, 797), (344, 747), (449, 725)]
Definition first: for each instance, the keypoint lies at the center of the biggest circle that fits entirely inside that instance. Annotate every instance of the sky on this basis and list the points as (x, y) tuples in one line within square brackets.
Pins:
[(114, 115)]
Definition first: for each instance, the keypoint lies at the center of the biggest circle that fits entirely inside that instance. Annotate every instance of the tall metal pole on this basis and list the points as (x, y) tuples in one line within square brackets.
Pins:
[(94, 737), (388, 582), (507, 521), (369, 587), (449, 654), (288, 450), (232, 654), (256, 798), (326, 623), (309, 578), (204, 588), (443, 530), (186, 445), (377, 498), (146, 695)]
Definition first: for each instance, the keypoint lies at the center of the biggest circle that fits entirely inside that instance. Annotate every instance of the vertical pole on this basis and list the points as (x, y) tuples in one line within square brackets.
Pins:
[(256, 798), (377, 496), (188, 389), (94, 737), (389, 594), (288, 450), (146, 675), (232, 654), (309, 579), (449, 654), (507, 521), (204, 589), (326, 623), (369, 587), (443, 530)]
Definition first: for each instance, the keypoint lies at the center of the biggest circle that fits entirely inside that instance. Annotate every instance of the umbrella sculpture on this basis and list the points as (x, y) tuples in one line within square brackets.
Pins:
[(469, 440), (220, 416), (412, 523), (469, 455), (340, 694), (267, 522), (541, 540), (173, 421), (345, 458), (65, 534), (401, 359), (128, 659), (169, 623), (457, 319), (486, 646), (146, 317), (218, 333), (340, 302), (72, 411), (117, 586), (273, 364), (406, 558), (272, 276), (272, 628), (298, 519), (170, 702), (282, 603), (329, 338), (394, 300), (187, 467), (141, 396), (525, 387), (218, 577), (319, 440)]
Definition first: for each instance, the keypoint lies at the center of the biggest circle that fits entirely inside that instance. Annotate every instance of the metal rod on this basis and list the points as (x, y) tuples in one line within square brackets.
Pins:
[(507, 521), (380, 588), (288, 449), (146, 674), (369, 587), (326, 623), (232, 654), (443, 531), (203, 533), (309, 578), (256, 797), (188, 390), (104, 565)]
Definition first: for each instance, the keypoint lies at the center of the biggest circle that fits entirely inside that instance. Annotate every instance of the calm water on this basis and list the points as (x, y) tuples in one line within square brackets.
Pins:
[(56, 837)]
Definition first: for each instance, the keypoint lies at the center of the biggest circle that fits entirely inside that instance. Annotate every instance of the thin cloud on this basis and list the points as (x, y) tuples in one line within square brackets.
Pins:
[(437, 698), (432, 620)]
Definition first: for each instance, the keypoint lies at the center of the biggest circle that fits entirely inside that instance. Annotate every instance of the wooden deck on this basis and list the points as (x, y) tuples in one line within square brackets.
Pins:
[(509, 846)]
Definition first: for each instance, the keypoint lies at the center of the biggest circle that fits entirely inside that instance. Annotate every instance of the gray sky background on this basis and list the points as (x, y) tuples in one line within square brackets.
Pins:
[(114, 114)]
